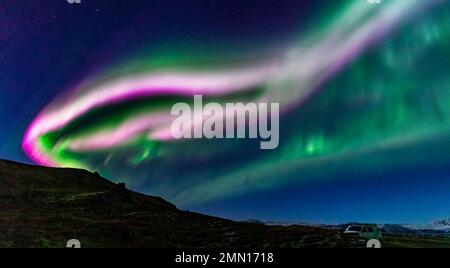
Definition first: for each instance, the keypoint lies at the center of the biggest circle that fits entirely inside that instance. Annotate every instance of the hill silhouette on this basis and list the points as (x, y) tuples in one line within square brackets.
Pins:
[(45, 207)]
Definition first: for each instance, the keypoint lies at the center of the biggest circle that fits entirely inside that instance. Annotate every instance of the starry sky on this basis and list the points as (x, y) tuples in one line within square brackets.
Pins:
[(363, 88)]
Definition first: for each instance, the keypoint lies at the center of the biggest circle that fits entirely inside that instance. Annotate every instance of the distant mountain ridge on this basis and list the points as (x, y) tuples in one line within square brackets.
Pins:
[(441, 227)]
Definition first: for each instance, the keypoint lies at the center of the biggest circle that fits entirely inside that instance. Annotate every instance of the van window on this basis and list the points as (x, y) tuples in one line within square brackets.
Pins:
[(355, 228), (370, 229)]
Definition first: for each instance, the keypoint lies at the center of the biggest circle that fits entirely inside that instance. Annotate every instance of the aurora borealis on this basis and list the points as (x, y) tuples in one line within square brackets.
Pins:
[(364, 93)]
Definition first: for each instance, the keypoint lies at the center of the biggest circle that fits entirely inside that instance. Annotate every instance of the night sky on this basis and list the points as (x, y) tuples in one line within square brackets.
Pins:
[(364, 91)]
